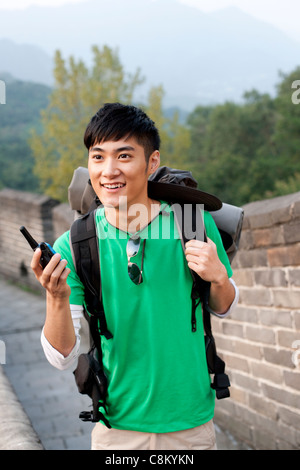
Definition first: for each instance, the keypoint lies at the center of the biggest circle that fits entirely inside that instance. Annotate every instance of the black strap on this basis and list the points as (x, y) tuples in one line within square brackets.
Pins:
[(221, 381), (85, 248), (86, 255), (190, 226), (200, 293)]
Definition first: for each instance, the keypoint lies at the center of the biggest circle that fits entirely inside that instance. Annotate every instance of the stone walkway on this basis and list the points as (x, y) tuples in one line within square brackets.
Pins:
[(48, 396)]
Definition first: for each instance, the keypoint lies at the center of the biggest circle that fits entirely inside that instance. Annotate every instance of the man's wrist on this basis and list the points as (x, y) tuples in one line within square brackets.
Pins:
[(58, 299), (221, 278)]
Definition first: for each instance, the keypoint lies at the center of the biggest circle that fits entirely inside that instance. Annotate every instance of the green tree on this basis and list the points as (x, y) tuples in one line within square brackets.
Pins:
[(287, 135), (232, 148), (215, 152), (286, 186), (263, 164), (175, 137), (198, 122)]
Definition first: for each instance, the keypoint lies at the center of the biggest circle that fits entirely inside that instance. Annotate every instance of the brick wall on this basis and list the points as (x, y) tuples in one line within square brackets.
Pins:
[(258, 341), (42, 216)]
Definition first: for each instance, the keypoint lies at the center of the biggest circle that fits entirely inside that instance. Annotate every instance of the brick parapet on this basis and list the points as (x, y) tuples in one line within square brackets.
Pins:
[(260, 340), (41, 216)]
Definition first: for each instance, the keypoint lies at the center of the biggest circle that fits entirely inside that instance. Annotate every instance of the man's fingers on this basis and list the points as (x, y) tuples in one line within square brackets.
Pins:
[(53, 263), (54, 276), (59, 271), (53, 271), (36, 258), (195, 244), (196, 259), (35, 263), (198, 244)]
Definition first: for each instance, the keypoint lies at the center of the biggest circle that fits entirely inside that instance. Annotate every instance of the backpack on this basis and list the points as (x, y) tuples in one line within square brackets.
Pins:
[(179, 188)]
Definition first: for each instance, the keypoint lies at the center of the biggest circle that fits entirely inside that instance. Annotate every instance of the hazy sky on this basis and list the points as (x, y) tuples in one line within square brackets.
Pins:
[(281, 13), (284, 14)]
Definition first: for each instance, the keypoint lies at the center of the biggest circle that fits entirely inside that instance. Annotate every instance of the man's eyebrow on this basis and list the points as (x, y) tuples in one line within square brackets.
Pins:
[(120, 149)]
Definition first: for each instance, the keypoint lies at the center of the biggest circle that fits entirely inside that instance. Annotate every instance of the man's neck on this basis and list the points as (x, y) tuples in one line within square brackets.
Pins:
[(134, 218)]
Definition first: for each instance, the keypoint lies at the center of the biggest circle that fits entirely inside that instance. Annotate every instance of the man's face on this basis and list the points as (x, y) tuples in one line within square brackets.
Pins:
[(119, 170)]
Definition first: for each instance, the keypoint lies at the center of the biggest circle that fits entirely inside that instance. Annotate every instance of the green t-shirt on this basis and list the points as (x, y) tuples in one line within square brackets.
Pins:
[(155, 365)]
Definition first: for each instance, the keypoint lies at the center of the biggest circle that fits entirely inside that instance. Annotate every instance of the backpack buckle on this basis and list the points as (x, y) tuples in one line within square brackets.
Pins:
[(86, 415), (220, 385)]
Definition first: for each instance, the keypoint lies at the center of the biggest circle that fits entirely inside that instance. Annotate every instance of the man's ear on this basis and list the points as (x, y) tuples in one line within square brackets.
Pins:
[(154, 162)]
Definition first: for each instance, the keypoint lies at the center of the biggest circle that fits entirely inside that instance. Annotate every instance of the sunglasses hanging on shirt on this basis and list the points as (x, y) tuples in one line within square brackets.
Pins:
[(132, 249)]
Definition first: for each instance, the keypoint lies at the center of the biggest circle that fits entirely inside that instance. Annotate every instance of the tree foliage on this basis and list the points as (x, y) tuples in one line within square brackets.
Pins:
[(287, 132), (243, 152), (175, 137)]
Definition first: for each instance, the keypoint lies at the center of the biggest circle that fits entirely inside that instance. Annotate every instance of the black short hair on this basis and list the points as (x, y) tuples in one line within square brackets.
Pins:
[(116, 121)]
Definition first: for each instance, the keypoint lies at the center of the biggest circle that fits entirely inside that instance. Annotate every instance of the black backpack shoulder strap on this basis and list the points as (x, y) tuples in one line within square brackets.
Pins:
[(85, 250), (190, 225)]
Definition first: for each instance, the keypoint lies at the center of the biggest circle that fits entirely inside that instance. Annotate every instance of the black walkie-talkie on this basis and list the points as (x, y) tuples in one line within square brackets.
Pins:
[(47, 250)]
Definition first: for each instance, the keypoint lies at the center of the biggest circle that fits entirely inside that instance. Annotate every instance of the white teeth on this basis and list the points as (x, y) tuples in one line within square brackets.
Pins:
[(113, 186)]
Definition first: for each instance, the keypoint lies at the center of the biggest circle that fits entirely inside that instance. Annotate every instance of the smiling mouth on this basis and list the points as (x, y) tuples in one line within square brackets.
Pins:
[(111, 186)]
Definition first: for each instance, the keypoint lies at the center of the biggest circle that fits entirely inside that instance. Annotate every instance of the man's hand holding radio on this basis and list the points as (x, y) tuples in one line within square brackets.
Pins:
[(54, 276), (58, 329)]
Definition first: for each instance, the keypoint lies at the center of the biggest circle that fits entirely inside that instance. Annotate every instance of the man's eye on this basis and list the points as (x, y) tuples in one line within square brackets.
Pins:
[(124, 156), (97, 157)]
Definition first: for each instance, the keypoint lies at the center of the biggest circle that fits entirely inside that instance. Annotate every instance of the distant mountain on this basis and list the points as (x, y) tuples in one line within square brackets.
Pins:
[(26, 62), (199, 58)]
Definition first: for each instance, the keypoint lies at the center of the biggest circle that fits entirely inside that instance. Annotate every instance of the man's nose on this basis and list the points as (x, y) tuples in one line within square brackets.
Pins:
[(110, 168)]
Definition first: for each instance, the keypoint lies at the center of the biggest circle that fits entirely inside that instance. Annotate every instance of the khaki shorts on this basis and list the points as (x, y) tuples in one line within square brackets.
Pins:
[(200, 438)]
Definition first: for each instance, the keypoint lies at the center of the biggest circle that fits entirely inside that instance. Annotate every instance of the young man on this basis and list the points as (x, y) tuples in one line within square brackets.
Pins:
[(159, 394)]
